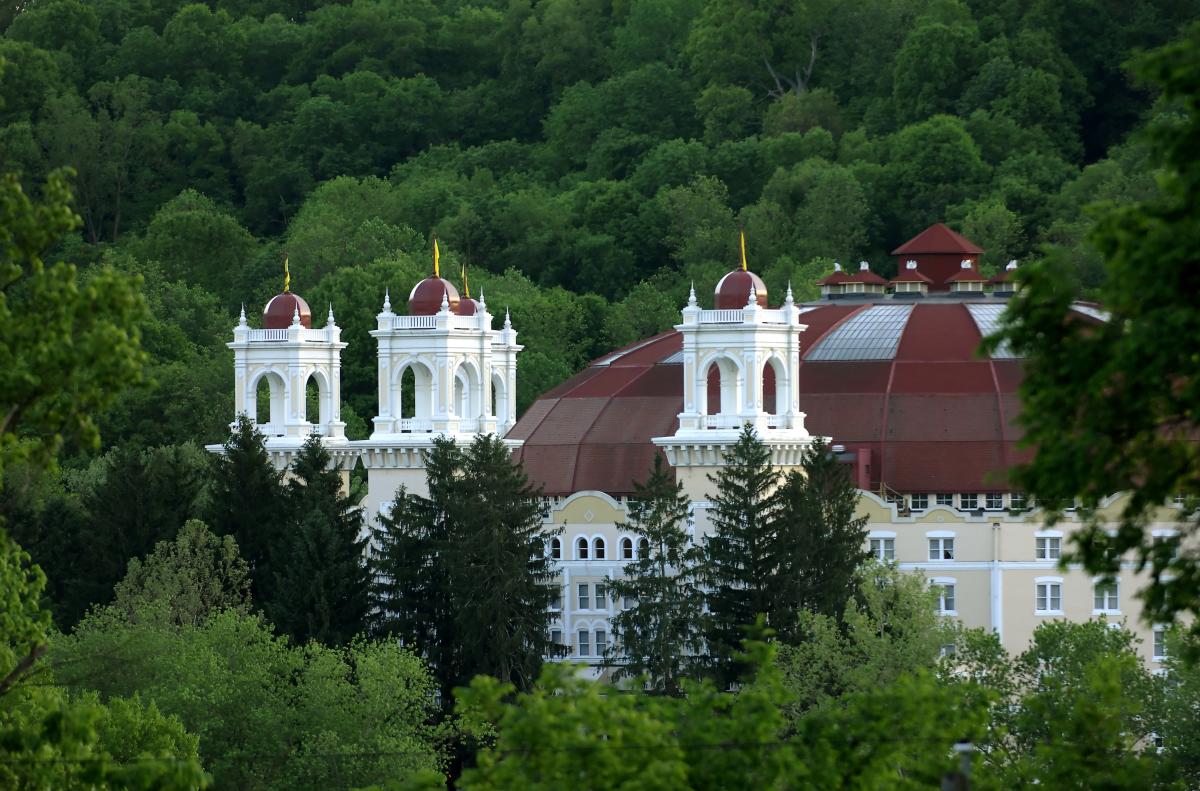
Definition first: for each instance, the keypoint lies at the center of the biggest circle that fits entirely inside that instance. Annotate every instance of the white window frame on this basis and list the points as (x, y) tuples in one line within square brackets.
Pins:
[(600, 645), (626, 548), (599, 548), (582, 547), (600, 595), (556, 548), (962, 502), (943, 583), (582, 596), (1046, 535), (1097, 584), (918, 506), (881, 536), (557, 604), (642, 548), (1158, 644), (1016, 501), (941, 537), (583, 642), (943, 498), (1048, 581), (988, 499)]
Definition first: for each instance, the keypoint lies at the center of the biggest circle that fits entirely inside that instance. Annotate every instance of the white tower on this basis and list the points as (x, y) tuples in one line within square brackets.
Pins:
[(740, 365), (288, 354), (443, 371)]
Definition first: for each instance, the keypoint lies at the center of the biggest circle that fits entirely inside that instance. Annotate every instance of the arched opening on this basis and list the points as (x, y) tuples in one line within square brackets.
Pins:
[(627, 548), (556, 548), (581, 549), (722, 393), (774, 387), (270, 404), (598, 549), (467, 392), (413, 398), (317, 401), (499, 398), (644, 548)]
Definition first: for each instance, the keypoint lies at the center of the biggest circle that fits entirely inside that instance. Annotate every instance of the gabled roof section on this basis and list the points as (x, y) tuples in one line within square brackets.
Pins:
[(938, 238)]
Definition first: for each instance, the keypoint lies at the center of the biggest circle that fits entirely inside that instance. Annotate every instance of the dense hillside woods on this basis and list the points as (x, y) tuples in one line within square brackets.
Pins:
[(584, 159)]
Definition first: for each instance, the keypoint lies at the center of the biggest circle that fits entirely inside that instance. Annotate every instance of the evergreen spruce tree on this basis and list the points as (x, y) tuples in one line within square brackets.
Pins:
[(321, 577), (823, 543), (462, 576), (503, 573), (659, 637), (248, 503), (742, 552)]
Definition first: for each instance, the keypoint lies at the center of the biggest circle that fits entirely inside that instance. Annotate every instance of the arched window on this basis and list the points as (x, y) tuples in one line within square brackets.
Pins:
[(643, 548), (556, 548), (581, 549), (627, 548), (598, 549)]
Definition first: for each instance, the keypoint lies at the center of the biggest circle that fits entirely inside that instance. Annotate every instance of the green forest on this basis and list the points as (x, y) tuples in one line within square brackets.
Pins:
[(586, 160), (176, 619)]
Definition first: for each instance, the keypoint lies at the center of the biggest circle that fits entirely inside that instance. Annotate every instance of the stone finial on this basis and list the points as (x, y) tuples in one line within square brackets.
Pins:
[(753, 300), (329, 322), (242, 316), (788, 297), (910, 264), (863, 266), (837, 267), (445, 300), (1011, 265), (296, 316), (966, 263), (507, 320), (482, 301), (692, 295), (387, 300)]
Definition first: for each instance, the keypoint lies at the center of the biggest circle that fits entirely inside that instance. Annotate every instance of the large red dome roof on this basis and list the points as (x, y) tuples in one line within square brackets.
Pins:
[(278, 313), (426, 297), (733, 290), (899, 379)]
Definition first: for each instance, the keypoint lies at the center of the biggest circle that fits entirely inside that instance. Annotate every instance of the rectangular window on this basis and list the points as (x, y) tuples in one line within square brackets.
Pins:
[(941, 549), (945, 499), (584, 603), (584, 648), (601, 596), (556, 601), (948, 650), (993, 502), (1106, 597), (1049, 597), (628, 602), (919, 502), (1160, 644), (1016, 501), (556, 636), (601, 642), (968, 502), (1049, 548), (883, 548), (945, 600)]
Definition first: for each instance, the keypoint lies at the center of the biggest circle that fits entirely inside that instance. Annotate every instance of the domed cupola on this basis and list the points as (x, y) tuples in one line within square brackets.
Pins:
[(468, 306), (733, 290), (426, 297), (280, 310)]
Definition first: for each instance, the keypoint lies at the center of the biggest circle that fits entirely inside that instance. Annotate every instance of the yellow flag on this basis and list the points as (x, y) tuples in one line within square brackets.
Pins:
[(466, 285), (742, 243), (287, 276), (437, 272)]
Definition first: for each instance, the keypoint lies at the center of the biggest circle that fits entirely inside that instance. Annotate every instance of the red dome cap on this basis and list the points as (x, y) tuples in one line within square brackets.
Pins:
[(277, 315), (733, 291), (468, 307), (426, 296)]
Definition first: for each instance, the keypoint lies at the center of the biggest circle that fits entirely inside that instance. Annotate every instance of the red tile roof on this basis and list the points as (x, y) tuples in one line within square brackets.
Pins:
[(938, 239)]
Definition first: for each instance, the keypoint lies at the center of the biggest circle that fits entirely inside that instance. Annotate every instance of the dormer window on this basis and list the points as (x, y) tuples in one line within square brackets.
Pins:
[(910, 282), (967, 278)]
